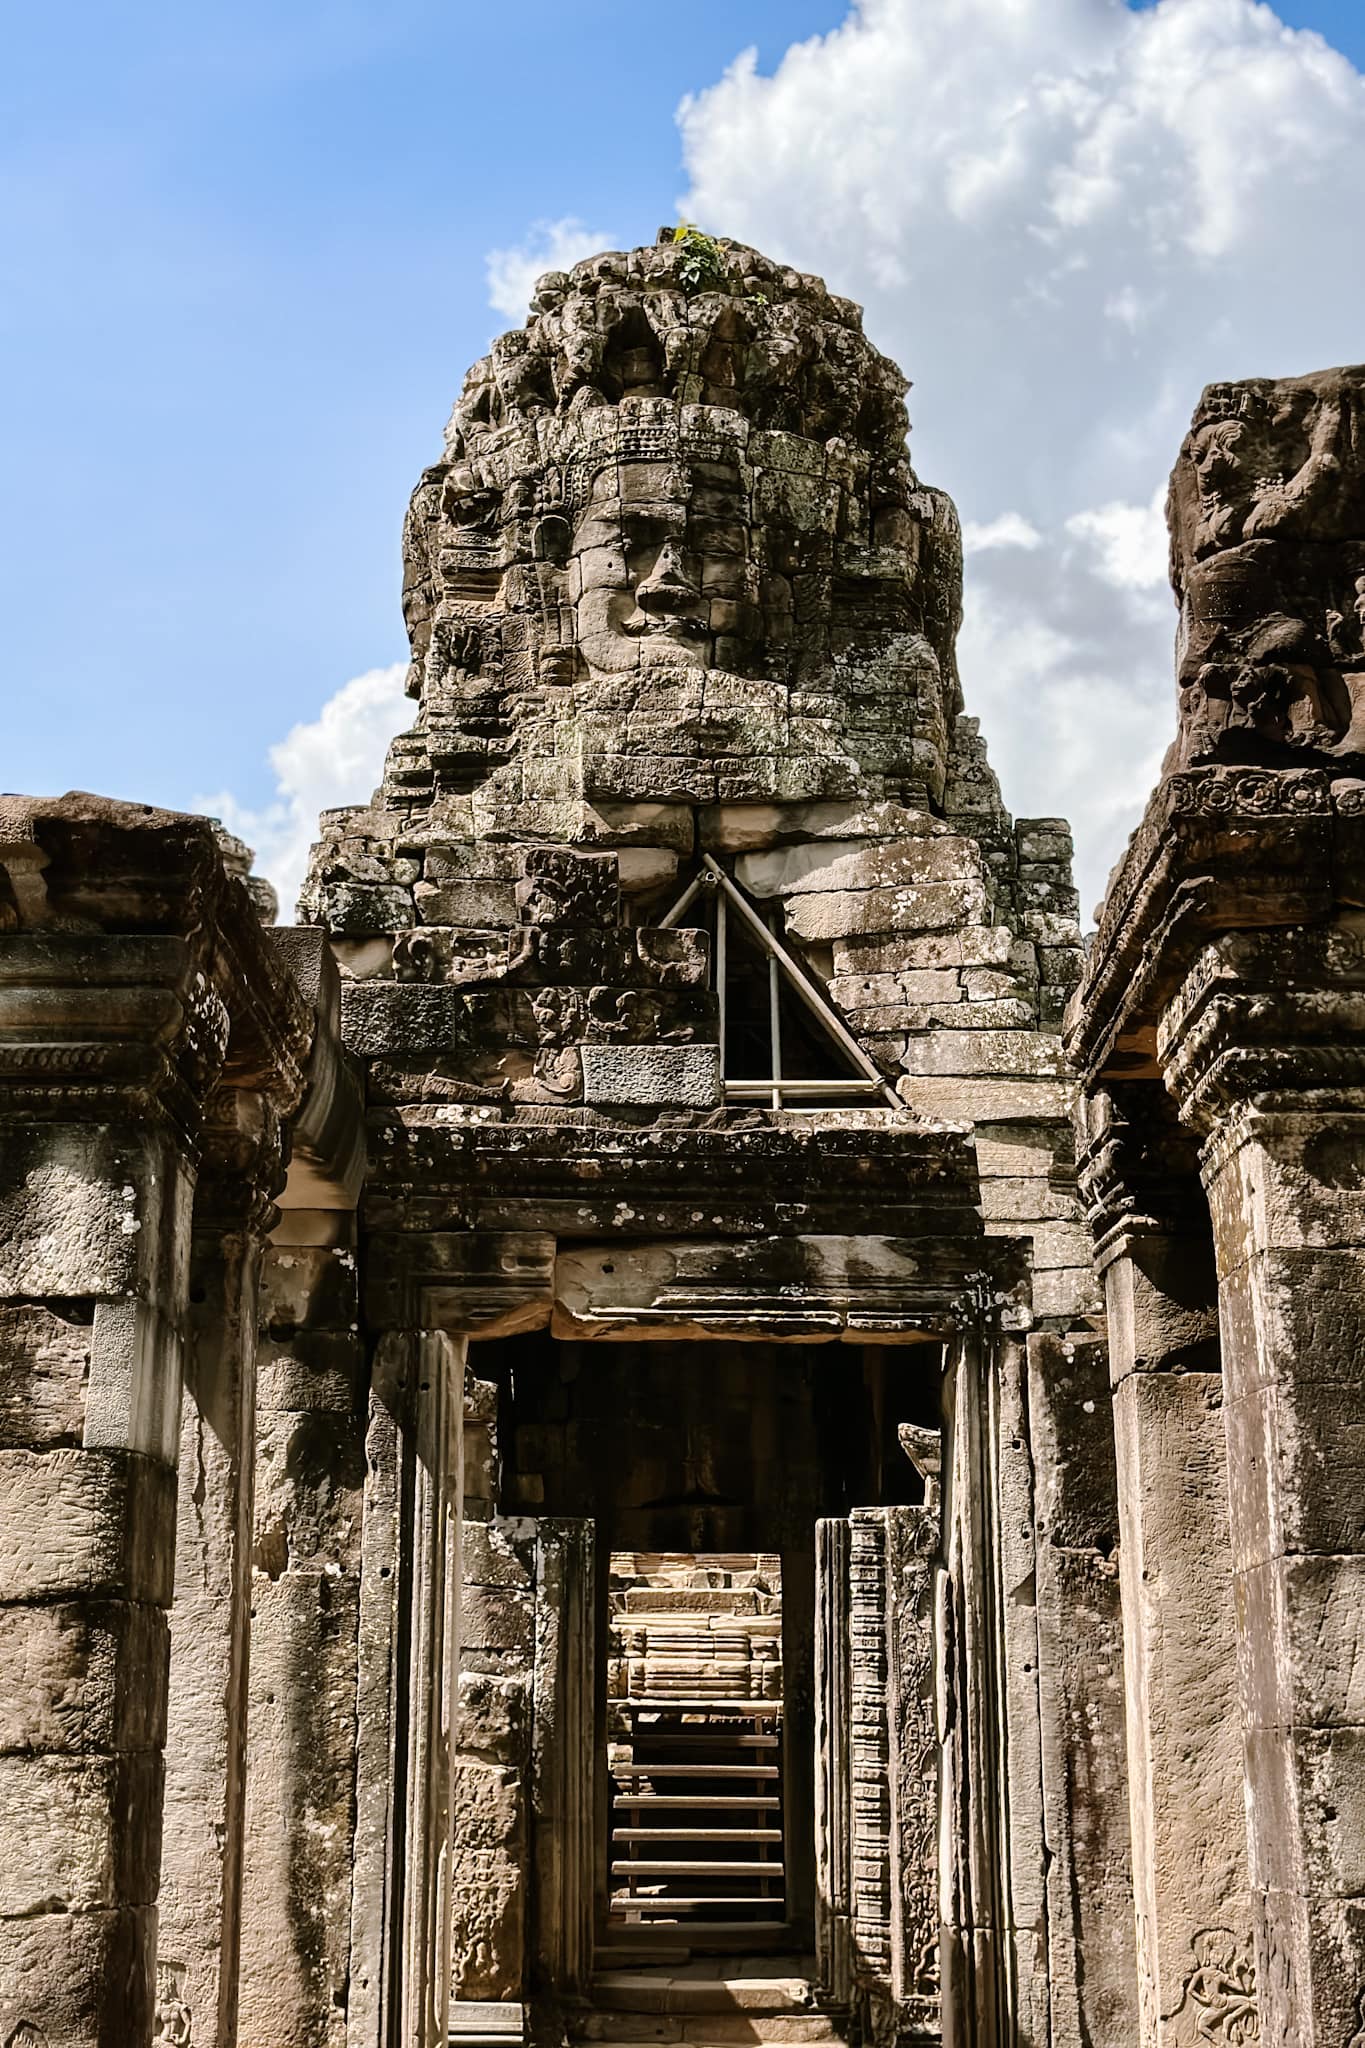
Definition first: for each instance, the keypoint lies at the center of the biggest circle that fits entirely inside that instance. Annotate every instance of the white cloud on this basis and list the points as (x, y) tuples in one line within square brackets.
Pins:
[(336, 759), (1129, 541), (1063, 217), (550, 245), (1010, 530)]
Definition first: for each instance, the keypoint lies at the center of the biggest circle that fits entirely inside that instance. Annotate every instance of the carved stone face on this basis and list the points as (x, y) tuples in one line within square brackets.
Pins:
[(660, 570)]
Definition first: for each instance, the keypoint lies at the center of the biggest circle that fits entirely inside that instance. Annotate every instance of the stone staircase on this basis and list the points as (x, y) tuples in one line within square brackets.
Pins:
[(710, 2002)]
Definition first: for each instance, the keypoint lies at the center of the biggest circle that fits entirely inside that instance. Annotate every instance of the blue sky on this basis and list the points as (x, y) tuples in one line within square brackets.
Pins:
[(242, 271), (241, 276)]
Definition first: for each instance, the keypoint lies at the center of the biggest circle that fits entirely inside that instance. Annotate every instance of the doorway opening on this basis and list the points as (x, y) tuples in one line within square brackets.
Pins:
[(694, 1744)]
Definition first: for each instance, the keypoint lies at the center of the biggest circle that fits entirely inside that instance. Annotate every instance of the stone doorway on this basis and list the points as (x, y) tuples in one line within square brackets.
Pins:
[(694, 1749), (640, 1493)]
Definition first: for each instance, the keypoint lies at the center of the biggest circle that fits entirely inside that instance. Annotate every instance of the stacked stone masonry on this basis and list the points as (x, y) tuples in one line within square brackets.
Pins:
[(678, 1348)]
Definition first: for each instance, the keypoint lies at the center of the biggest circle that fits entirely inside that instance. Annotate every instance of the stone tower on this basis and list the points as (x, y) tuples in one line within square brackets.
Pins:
[(707, 999), (569, 1469)]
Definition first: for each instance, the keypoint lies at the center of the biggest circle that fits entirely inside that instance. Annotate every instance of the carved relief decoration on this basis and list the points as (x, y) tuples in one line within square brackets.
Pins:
[(1357, 2039), (173, 2023), (1268, 559), (1220, 1992)]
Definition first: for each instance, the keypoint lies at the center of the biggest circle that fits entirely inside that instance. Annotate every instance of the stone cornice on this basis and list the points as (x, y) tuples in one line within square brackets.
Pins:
[(134, 972), (1270, 1021), (1218, 849)]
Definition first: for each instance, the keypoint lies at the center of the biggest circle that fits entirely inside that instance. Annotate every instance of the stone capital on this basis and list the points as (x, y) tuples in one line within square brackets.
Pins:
[(1186, 878), (134, 972), (1268, 1023), (1136, 1168)]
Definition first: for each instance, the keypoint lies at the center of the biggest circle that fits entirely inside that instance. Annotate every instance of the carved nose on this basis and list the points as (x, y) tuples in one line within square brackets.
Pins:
[(667, 588)]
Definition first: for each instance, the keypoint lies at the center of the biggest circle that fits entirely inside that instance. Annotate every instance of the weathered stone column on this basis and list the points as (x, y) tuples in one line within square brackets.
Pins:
[(1092, 1979), (399, 1987), (1265, 1045), (200, 1909), (96, 1228), (132, 975), (1154, 1251)]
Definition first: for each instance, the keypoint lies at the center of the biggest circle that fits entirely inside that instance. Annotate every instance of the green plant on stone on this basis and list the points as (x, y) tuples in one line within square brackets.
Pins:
[(702, 267)]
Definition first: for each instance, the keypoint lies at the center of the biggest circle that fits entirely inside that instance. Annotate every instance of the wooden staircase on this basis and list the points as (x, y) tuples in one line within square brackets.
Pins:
[(695, 1722)]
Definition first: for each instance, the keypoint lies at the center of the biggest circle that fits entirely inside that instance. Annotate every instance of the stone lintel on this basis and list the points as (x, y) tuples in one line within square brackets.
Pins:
[(804, 1289)]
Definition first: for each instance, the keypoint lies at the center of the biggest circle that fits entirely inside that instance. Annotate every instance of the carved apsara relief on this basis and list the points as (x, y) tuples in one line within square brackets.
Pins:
[(173, 2023), (1219, 1994)]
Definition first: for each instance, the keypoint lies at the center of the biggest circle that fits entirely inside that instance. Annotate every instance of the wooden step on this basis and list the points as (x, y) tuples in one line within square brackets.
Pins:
[(706, 2029), (703, 1738), (696, 1834), (698, 1770), (698, 1932), (637, 1903), (652, 1942), (665, 1868), (640, 1990), (746, 1708), (729, 1801)]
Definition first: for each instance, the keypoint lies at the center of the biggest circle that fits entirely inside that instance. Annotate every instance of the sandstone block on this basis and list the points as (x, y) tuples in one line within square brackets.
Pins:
[(496, 1618), (487, 1866), (498, 1554), (975, 945), (85, 1522), (844, 865), (492, 1718), (990, 1100), (88, 1677), (859, 992), (80, 1833), (1027, 1054), (933, 906), (85, 1978), (74, 1212), (651, 1076), (44, 1369), (380, 1017)]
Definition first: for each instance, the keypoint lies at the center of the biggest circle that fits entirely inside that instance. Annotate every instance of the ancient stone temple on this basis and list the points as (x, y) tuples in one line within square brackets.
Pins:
[(609, 1440)]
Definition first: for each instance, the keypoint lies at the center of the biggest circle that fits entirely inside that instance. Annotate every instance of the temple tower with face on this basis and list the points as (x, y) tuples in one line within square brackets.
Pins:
[(707, 1003), (643, 1561)]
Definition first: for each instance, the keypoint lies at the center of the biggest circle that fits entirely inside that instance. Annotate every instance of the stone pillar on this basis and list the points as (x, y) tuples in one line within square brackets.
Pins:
[(564, 1761), (309, 1475), (1140, 1175), (1264, 1044), (877, 1769), (135, 982), (1092, 1979), (200, 1909), (494, 1765), (399, 1985), (96, 1241), (96, 1180), (976, 1948)]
